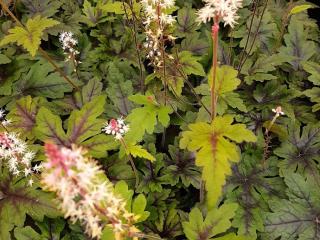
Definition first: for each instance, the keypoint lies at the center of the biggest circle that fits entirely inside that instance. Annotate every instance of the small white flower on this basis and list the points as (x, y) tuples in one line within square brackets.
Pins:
[(2, 114), (30, 182), (37, 168), (27, 172), (278, 111)]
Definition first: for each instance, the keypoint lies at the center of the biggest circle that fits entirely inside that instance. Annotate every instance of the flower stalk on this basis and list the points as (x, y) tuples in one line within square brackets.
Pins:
[(278, 111), (118, 129), (214, 96)]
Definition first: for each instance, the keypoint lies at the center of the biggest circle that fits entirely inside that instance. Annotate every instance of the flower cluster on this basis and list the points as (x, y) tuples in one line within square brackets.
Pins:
[(157, 20), (17, 156), (220, 10), (68, 45), (116, 127), (155, 12), (84, 192)]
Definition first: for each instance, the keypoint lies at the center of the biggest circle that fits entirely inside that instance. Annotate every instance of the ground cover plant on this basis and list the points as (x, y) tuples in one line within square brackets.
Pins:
[(159, 119)]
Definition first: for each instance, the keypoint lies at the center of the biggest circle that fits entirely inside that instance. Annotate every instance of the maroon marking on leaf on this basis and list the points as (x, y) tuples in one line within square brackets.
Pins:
[(78, 129)]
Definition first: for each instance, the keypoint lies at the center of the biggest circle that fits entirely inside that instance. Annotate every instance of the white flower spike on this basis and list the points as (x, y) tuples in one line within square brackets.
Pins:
[(83, 191), (68, 45)]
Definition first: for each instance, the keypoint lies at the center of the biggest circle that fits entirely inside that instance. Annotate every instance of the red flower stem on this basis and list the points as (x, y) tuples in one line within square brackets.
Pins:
[(214, 98)]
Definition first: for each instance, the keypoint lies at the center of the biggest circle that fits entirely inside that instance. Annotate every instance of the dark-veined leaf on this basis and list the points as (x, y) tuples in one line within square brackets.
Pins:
[(84, 123), (298, 217), (17, 200)]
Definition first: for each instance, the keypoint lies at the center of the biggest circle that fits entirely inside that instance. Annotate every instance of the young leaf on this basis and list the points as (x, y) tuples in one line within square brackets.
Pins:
[(314, 95), (134, 205), (138, 151), (185, 64), (215, 150), (145, 118), (300, 8), (216, 221), (29, 37), (225, 84)]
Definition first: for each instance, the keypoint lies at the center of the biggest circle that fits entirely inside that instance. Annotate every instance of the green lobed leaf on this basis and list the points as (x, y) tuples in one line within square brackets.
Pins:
[(149, 115), (217, 221), (214, 150), (138, 151), (29, 37)]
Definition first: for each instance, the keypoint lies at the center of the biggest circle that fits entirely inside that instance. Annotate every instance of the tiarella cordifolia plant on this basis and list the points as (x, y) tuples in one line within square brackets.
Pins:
[(193, 155), (84, 192)]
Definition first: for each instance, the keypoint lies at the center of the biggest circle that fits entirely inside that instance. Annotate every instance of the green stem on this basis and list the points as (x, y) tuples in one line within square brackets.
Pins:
[(135, 171)]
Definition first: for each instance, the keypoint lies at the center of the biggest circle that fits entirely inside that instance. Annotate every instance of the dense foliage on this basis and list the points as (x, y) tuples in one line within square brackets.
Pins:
[(200, 139)]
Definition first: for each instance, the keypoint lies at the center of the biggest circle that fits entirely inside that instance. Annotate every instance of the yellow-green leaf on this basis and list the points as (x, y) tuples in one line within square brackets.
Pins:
[(226, 79), (30, 36), (138, 151), (215, 150), (300, 8)]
